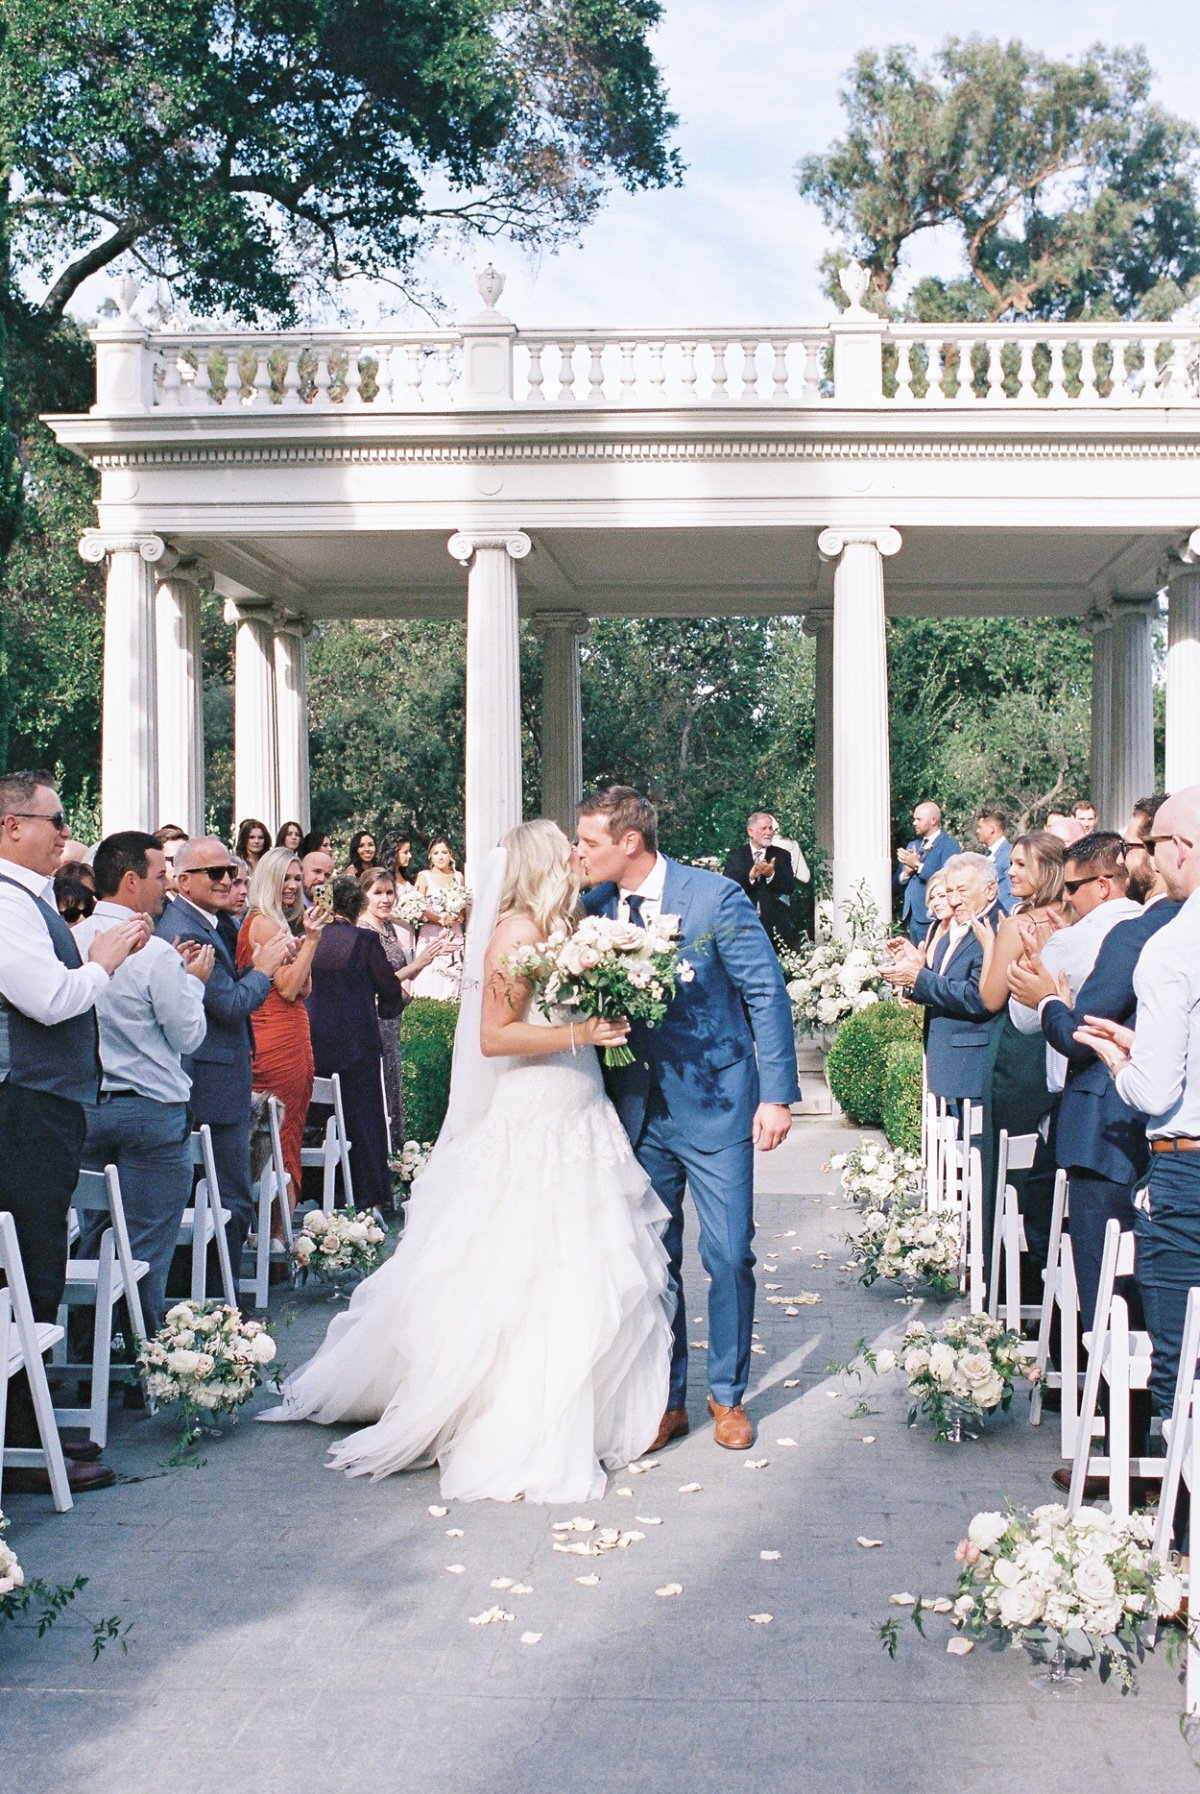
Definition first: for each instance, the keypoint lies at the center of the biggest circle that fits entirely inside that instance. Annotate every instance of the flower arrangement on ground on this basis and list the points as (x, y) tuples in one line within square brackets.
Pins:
[(44, 1603), (207, 1358), (342, 1245), (964, 1369), (12, 1579), (609, 969), (411, 1160), (909, 1245), (842, 971), (875, 1174)]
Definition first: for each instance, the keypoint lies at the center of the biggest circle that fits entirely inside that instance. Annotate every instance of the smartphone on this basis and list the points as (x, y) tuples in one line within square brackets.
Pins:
[(323, 898)]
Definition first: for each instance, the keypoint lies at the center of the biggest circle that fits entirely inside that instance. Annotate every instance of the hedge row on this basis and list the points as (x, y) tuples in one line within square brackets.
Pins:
[(902, 1094), (856, 1062), (426, 1052)]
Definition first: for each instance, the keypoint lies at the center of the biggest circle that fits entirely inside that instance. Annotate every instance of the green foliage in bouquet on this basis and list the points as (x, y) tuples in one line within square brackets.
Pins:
[(902, 1094), (426, 1051), (855, 1064)]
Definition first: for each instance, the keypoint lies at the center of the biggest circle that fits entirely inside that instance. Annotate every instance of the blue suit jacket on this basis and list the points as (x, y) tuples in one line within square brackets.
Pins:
[(702, 1055), (1000, 860), (958, 1023), (1096, 1131), (932, 860), (220, 1066)]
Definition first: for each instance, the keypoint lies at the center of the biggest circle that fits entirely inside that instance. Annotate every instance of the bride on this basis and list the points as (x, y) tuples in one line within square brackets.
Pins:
[(520, 1334)]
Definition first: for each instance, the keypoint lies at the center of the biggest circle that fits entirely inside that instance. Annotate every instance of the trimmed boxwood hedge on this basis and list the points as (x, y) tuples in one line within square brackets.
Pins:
[(902, 1094), (855, 1061), (426, 1050)]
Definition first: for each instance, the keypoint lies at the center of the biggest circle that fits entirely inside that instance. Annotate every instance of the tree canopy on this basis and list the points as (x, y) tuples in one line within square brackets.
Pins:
[(1071, 193)]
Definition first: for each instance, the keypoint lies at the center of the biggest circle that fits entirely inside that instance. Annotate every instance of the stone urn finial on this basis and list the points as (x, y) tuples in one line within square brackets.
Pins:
[(855, 281), (125, 290), (490, 283)]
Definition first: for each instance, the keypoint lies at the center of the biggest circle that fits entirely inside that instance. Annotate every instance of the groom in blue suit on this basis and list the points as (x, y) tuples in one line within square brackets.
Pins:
[(714, 1080)]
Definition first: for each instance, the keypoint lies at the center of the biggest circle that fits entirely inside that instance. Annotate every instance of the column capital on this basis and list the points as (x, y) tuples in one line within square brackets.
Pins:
[(816, 619), (1185, 555), (96, 544), (189, 569), (831, 542), (1098, 619), (294, 622), (1134, 604), (249, 610), (465, 544), (544, 622)]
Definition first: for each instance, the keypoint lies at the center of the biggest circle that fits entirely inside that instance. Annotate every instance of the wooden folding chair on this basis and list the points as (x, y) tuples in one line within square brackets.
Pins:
[(100, 1283), (28, 1342), (334, 1151), (204, 1221), (272, 1190), (1014, 1152), (1119, 1356)]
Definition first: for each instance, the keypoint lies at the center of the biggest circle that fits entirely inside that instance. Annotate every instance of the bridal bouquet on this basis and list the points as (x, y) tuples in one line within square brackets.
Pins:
[(607, 968), (875, 1174), (965, 1369), (1065, 1586), (840, 973), (411, 905), (450, 901), (206, 1357), (342, 1244), (908, 1244)]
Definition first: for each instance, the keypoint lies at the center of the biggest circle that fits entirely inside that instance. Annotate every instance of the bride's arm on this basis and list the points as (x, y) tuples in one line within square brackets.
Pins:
[(503, 1029)]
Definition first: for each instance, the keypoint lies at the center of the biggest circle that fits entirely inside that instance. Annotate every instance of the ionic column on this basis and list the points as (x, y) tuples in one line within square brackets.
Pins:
[(129, 716), (181, 695), (291, 715), (493, 707), (1183, 668), (562, 717), (1132, 705), (1100, 765), (861, 762), (255, 733), (819, 625)]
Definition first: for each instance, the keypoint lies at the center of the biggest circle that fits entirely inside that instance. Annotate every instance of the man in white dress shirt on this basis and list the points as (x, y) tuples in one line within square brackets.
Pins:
[(49, 1067), (150, 1015)]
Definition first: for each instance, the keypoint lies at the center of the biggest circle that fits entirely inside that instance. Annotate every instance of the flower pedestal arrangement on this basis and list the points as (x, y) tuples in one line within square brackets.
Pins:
[(960, 1373), (339, 1248), (876, 1176), (839, 973), (207, 1360), (910, 1246)]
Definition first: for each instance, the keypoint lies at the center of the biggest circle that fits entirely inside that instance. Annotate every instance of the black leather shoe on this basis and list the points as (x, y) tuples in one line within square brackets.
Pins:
[(81, 1479)]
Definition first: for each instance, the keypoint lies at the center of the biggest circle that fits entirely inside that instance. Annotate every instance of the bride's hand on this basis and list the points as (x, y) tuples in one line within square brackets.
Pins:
[(601, 1031)]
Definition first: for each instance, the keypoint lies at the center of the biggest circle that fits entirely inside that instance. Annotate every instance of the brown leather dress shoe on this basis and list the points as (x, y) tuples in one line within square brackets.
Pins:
[(673, 1425), (85, 1451), (732, 1429), (1144, 1491), (81, 1479)]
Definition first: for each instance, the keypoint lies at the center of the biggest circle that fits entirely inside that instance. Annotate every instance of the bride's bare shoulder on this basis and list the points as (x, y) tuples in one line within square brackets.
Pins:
[(513, 931)]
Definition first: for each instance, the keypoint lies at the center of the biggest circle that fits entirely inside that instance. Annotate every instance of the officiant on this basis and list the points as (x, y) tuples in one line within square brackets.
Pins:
[(766, 874)]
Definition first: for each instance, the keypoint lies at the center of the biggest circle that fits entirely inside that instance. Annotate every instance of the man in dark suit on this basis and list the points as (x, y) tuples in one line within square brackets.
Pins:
[(220, 1067), (767, 876), (917, 864), (991, 829)]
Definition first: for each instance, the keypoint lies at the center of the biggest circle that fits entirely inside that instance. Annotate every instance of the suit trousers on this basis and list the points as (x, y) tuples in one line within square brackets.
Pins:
[(149, 1143), (1168, 1262), (722, 1187), (41, 1142), (1095, 1201)]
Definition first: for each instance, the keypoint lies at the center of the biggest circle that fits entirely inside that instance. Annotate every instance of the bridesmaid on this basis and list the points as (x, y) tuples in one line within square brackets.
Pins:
[(283, 1056), (379, 889), (363, 853), (290, 836), (253, 840), (440, 875)]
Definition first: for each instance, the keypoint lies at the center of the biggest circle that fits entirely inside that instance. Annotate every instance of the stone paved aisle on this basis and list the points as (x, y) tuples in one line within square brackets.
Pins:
[(296, 1633)]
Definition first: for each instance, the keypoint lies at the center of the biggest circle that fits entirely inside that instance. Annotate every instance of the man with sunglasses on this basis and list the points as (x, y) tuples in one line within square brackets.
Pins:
[(220, 1067)]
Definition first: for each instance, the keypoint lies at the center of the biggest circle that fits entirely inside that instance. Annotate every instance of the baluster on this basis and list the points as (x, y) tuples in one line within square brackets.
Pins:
[(995, 373), (566, 373), (321, 378), (383, 377), (779, 372), (596, 373), (688, 376), (261, 398), (353, 390), (720, 374), (233, 375), (964, 373), (444, 376), (1132, 382), (628, 373), (172, 382), (658, 372), (811, 391), (1183, 378), (904, 373), (1057, 394), (414, 371), (935, 372), (291, 377), (537, 378), (1088, 393), (1026, 376), (749, 370)]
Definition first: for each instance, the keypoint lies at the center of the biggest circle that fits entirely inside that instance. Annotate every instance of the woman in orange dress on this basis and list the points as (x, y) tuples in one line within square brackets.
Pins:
[(283, 1057)]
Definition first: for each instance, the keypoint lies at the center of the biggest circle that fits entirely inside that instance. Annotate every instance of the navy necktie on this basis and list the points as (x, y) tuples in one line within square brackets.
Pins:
[(635, 903)]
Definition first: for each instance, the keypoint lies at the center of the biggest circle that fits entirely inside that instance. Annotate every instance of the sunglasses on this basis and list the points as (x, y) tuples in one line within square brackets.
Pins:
[(213, 873), (1071, 885), (57, 821)]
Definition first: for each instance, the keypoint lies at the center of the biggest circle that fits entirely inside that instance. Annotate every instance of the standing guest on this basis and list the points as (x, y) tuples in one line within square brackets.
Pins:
[(1144, 876), (917, 863), (1157, 1070), (253, 840), (168, 837), (150, 1015), (353, 986), (402, 870), (440, 980), (220, 1066), (239, 893), (74, 893), (766, 875), (290, 836), (362, 853), (1067, 830), (1084, 814), (49, 1069), (316, 871), (75, 853), (283, 1057), (316, 841), (379, 889), (991, 830)]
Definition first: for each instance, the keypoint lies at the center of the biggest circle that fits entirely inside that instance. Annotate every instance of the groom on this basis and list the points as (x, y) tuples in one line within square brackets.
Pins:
[(696, 1100)]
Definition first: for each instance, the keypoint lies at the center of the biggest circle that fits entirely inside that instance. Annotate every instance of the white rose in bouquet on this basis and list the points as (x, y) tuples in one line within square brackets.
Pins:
[(1021, 1605), (987, 1529)]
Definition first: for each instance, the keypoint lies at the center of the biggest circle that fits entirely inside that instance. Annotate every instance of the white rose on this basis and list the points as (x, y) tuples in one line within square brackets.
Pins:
[(986, 1530), (1168, 1593), (941, 1361), (685, 972), (304, 1248), (916, 1362), (975, 1369), (183, 1364), (885, 1361), (180, 1315), (1093, 1581), (964, 1606), (263, 1349), (205, 1364), (1021, 1605)]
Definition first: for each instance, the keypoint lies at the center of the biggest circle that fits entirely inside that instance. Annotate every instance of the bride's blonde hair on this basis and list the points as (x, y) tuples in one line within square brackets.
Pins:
[(538, 878)]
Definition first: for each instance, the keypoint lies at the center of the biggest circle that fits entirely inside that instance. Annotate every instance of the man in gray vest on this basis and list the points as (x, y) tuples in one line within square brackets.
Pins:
[(49, 1068)]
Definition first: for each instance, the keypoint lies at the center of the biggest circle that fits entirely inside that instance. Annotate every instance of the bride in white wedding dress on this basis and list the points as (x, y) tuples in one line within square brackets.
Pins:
[(520, 1334)]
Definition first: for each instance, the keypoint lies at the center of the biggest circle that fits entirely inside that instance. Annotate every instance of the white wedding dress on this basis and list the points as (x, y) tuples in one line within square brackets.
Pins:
[(519, 1336)]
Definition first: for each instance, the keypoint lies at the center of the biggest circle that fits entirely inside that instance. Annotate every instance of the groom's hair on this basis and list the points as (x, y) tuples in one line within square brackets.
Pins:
[(624, 809)]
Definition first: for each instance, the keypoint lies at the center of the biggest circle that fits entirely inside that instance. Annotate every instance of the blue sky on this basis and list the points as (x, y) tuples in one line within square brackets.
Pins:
[(755, 83)]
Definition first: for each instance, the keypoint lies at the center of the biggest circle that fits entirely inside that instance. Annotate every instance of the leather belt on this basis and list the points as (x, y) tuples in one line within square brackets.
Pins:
[(1181, 1143)]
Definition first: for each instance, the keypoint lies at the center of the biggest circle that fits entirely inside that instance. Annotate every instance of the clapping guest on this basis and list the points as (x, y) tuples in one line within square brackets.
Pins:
[(290, 836), (74, 893), (766, 875), (362, 853), (353, 986), (991, 829), (379, 889), (283, 1056), (253, 840), (926, 854)]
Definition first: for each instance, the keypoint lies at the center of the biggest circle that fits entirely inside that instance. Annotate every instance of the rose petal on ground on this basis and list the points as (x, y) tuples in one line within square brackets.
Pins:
[(439, 1513), (760, 1619), (807, 1298), (577, 1550), (520, 1588), (867, 1439), (490, 1616), (904, 1600), (623, 1492), (756, 1463), (870, 1544), (791, 1311), (759, 1351), (582, 1524), (790, 1234), (455, 1532), (959, 1647), (835, 1395), (456, 1569), (670, 1588), (699, 1344), (773, 1286), (690, 1488), (769, 1557), (562, 1525), (787, 1444), (531, 1638), (942, 1605), (501, 1582), (649, 1520), (591, 1581), (792, 1383)]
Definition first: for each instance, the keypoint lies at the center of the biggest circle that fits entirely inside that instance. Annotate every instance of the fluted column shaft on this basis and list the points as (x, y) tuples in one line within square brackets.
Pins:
[(861, 759), (1132, 706), (291, 715), (493, 706), (129, 715), (1183, 670), (181, 696), (1101, 759), (562, 715), (819, 624), (255, 730)]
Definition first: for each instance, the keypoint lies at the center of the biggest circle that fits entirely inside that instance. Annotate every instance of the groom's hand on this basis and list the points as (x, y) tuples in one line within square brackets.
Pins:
[(772, 1124)]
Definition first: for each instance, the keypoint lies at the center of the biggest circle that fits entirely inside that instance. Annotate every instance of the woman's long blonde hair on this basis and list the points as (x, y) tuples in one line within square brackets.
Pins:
[(1049, 868), (265, 893), (538, 879)]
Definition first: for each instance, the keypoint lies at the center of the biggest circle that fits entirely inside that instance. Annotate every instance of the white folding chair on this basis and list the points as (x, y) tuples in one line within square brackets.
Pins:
[(1120, 1357), (28, 1342), (334, 1150), (1180, 1430), (931, 1147), (1062, 1292), (1014, 1152), (204, 1221), (272, 1189), (971, 1277), (100, 1283)]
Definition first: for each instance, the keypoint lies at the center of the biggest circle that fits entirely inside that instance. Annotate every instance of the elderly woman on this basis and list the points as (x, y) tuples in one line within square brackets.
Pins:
[(943, 976)]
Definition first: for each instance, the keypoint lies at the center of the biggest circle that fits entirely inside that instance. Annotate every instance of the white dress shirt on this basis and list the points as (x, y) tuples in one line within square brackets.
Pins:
[(1074, 951), (150, 1013), (1163, 1075), (32, 977), (650, 891)]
